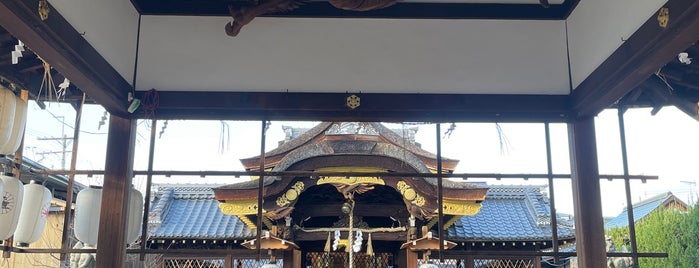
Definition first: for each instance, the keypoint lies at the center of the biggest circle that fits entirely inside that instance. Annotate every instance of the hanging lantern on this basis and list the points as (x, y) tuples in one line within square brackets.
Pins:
[(7, 113), (19, 122), (87, 215), (135, 216), (34, 213), (11, 203)]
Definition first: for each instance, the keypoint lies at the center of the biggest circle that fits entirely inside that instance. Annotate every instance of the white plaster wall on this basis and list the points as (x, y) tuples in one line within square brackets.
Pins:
[(596, 29), (110, 26), (368, 55)]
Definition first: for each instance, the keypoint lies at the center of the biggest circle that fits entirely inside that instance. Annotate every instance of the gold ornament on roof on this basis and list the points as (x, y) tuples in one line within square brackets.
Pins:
[(237, 208), (459, 207), (350, 180), (410, 194), (291, 195)]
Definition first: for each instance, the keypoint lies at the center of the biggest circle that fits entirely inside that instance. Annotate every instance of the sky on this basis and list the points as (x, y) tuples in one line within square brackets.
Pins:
[(665, 145)]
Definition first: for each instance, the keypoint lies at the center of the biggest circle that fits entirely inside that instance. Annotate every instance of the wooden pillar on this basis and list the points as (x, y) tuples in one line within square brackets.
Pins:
[(589, 224), (292, 258), (228, 262), (118, 171), (407, 259), (470, 262)]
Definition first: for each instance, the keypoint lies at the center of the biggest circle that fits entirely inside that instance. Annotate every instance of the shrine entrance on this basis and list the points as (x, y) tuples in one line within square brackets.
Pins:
[(378, 218)]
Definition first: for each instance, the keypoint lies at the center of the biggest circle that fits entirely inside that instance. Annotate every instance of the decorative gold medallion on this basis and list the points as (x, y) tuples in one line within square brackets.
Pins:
[(664, 17), (44, 9), (410, 194), (291, 194), (353, 101)]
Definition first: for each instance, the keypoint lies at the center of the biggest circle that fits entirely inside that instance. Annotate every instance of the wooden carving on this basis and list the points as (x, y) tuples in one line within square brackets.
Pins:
[(244, 15)]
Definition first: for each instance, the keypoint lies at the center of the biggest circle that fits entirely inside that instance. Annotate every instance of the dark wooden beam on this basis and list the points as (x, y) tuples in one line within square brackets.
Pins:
[(665, 95), (67, 51), (111, 249), (646, 51), (587, 200), (374, 107), (365, 210), (401, 10)]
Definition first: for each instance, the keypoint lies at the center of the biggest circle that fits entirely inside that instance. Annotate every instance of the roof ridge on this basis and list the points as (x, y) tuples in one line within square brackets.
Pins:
[(661, 196)]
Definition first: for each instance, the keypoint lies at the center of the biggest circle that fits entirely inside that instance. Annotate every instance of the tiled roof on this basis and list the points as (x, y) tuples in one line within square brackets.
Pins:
[(191, 211), (509, 213), (520, 213), (640, 210)]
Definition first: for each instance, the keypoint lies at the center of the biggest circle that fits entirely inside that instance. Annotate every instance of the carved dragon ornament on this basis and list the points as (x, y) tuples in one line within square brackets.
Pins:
[(245, 14)]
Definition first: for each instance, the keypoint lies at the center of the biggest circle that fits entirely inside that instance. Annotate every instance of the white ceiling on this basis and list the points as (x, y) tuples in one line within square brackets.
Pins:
[(367, 55), (339, 55)]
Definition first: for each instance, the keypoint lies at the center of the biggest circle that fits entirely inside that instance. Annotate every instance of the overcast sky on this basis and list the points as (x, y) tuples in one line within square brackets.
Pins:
[(665, 145)]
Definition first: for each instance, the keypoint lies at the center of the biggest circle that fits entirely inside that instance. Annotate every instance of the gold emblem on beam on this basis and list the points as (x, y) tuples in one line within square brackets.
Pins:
[(238, 208), (459, 207), (410, 194), (291, 195), (663, 17), (353, 101), (44, 9)]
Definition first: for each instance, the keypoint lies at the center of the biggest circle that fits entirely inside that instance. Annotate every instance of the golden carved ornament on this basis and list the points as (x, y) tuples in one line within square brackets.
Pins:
[(458, 207), (238, 208), (351, 180), (410, 194), (247, 221), (44, 9), (663, 17), (291, 195)]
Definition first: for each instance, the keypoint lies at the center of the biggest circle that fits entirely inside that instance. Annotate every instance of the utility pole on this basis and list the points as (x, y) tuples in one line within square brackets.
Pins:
[(691, 190), (63, 140)]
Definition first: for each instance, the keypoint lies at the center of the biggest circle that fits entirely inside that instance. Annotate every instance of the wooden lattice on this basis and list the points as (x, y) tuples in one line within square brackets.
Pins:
[(212, 263), (193, 263), (340, 260), (504, 263)]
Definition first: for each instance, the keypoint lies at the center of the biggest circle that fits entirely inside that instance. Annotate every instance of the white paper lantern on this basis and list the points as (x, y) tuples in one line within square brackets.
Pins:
[(34, 213), (87, 215), (11, 205), (19, 122), (135, 216), (7, 114)]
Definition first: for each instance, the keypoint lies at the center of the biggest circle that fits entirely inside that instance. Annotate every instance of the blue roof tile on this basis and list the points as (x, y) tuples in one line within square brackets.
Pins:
[(640, 210), (509, 213), (191, 211)]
